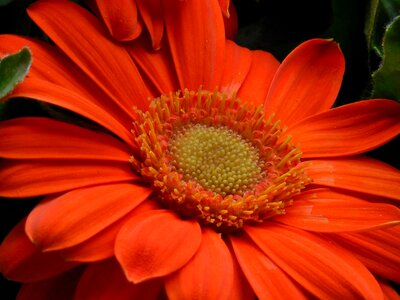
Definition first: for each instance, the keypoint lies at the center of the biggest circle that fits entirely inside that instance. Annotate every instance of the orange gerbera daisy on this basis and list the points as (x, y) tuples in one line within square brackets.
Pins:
[(124, 18), (195, 194)]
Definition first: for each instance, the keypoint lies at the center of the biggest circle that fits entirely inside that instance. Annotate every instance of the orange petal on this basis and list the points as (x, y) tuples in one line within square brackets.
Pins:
[(57, 223), (157, 65), (156, 244), (255, 87), (389, 292), (195, 31), (237, 65), (26, 178), (120, 17), (273, 283), (20, 260), (105, 280), (241, 289), (360, 174), (307, 82), (57, 95), (83, 40), (51, 65), (336, 212), (321, 267), (378, 250), (231, 22), (152, 14), (224, 4), (349, 129), (208, 275), (46, 138), (60, 287), (101, 245)]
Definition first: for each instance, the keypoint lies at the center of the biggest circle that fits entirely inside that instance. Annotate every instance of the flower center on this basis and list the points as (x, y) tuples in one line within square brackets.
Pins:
[(216, 159)]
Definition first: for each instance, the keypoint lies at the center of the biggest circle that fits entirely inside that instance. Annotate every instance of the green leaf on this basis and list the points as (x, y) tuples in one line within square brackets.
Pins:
[(386, 80), (13, 69), (379, 15)]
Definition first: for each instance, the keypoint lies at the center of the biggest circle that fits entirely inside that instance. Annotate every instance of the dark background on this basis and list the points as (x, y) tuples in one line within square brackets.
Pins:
[(276, 26)]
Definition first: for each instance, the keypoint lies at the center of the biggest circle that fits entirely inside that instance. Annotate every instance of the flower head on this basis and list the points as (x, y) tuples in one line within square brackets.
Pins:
[(219, 173)]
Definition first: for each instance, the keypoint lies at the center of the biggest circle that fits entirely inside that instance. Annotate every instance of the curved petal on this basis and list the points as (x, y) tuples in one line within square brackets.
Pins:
[(52, 66), (273, 283), (56, 223), (47, 138), (61, 287), (152, 15), (101, 245), (120, 17), (84, 41), (231, 22), (350, 129), (157, 65), (195, 31), (57, 95), (378, 250), (208, 275), (321, 267), (307, 82), (241, 289), (237, 65), (262, 70), (389, 292), (360, 174), (20, 260), (26, 178), (156, 244), (105, 280), (336, 212)]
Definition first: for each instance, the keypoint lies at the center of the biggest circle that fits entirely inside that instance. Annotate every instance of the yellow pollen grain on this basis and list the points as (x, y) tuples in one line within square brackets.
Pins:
[(217, 158)]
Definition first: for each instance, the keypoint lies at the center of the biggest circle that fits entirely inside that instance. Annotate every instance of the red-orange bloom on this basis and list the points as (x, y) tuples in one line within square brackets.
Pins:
[(195, 194), (125, 19)]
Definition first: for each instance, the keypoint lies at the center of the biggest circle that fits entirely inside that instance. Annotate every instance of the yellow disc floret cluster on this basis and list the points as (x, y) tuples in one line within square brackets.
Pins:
[(216, 159)]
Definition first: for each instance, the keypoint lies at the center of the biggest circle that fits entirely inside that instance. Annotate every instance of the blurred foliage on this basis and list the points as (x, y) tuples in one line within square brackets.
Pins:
[(13, 69)]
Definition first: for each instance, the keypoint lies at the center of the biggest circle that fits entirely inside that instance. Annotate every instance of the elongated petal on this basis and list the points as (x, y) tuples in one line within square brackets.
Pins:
[(321, 267), (46, 138), (349, 129), (262, 70), (101, 245), (61, 287), (273, 283), (26, 178), (120, 17), (156, 244), (57, 95), (157, 65), (208, 275), (378, 250), (358, 174), (52, 66), (152, 14), (105, 280), (307, 82), (84, 41), (237, 65), (336, 212), (57, 223), (241, 289), (195, 31), (224, 4), (389, 292), (231, 22), (20, 260)]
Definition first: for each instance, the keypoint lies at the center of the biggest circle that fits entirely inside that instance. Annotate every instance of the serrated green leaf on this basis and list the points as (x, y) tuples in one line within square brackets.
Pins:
[(380, 14), (386, 80), (13, 69)]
